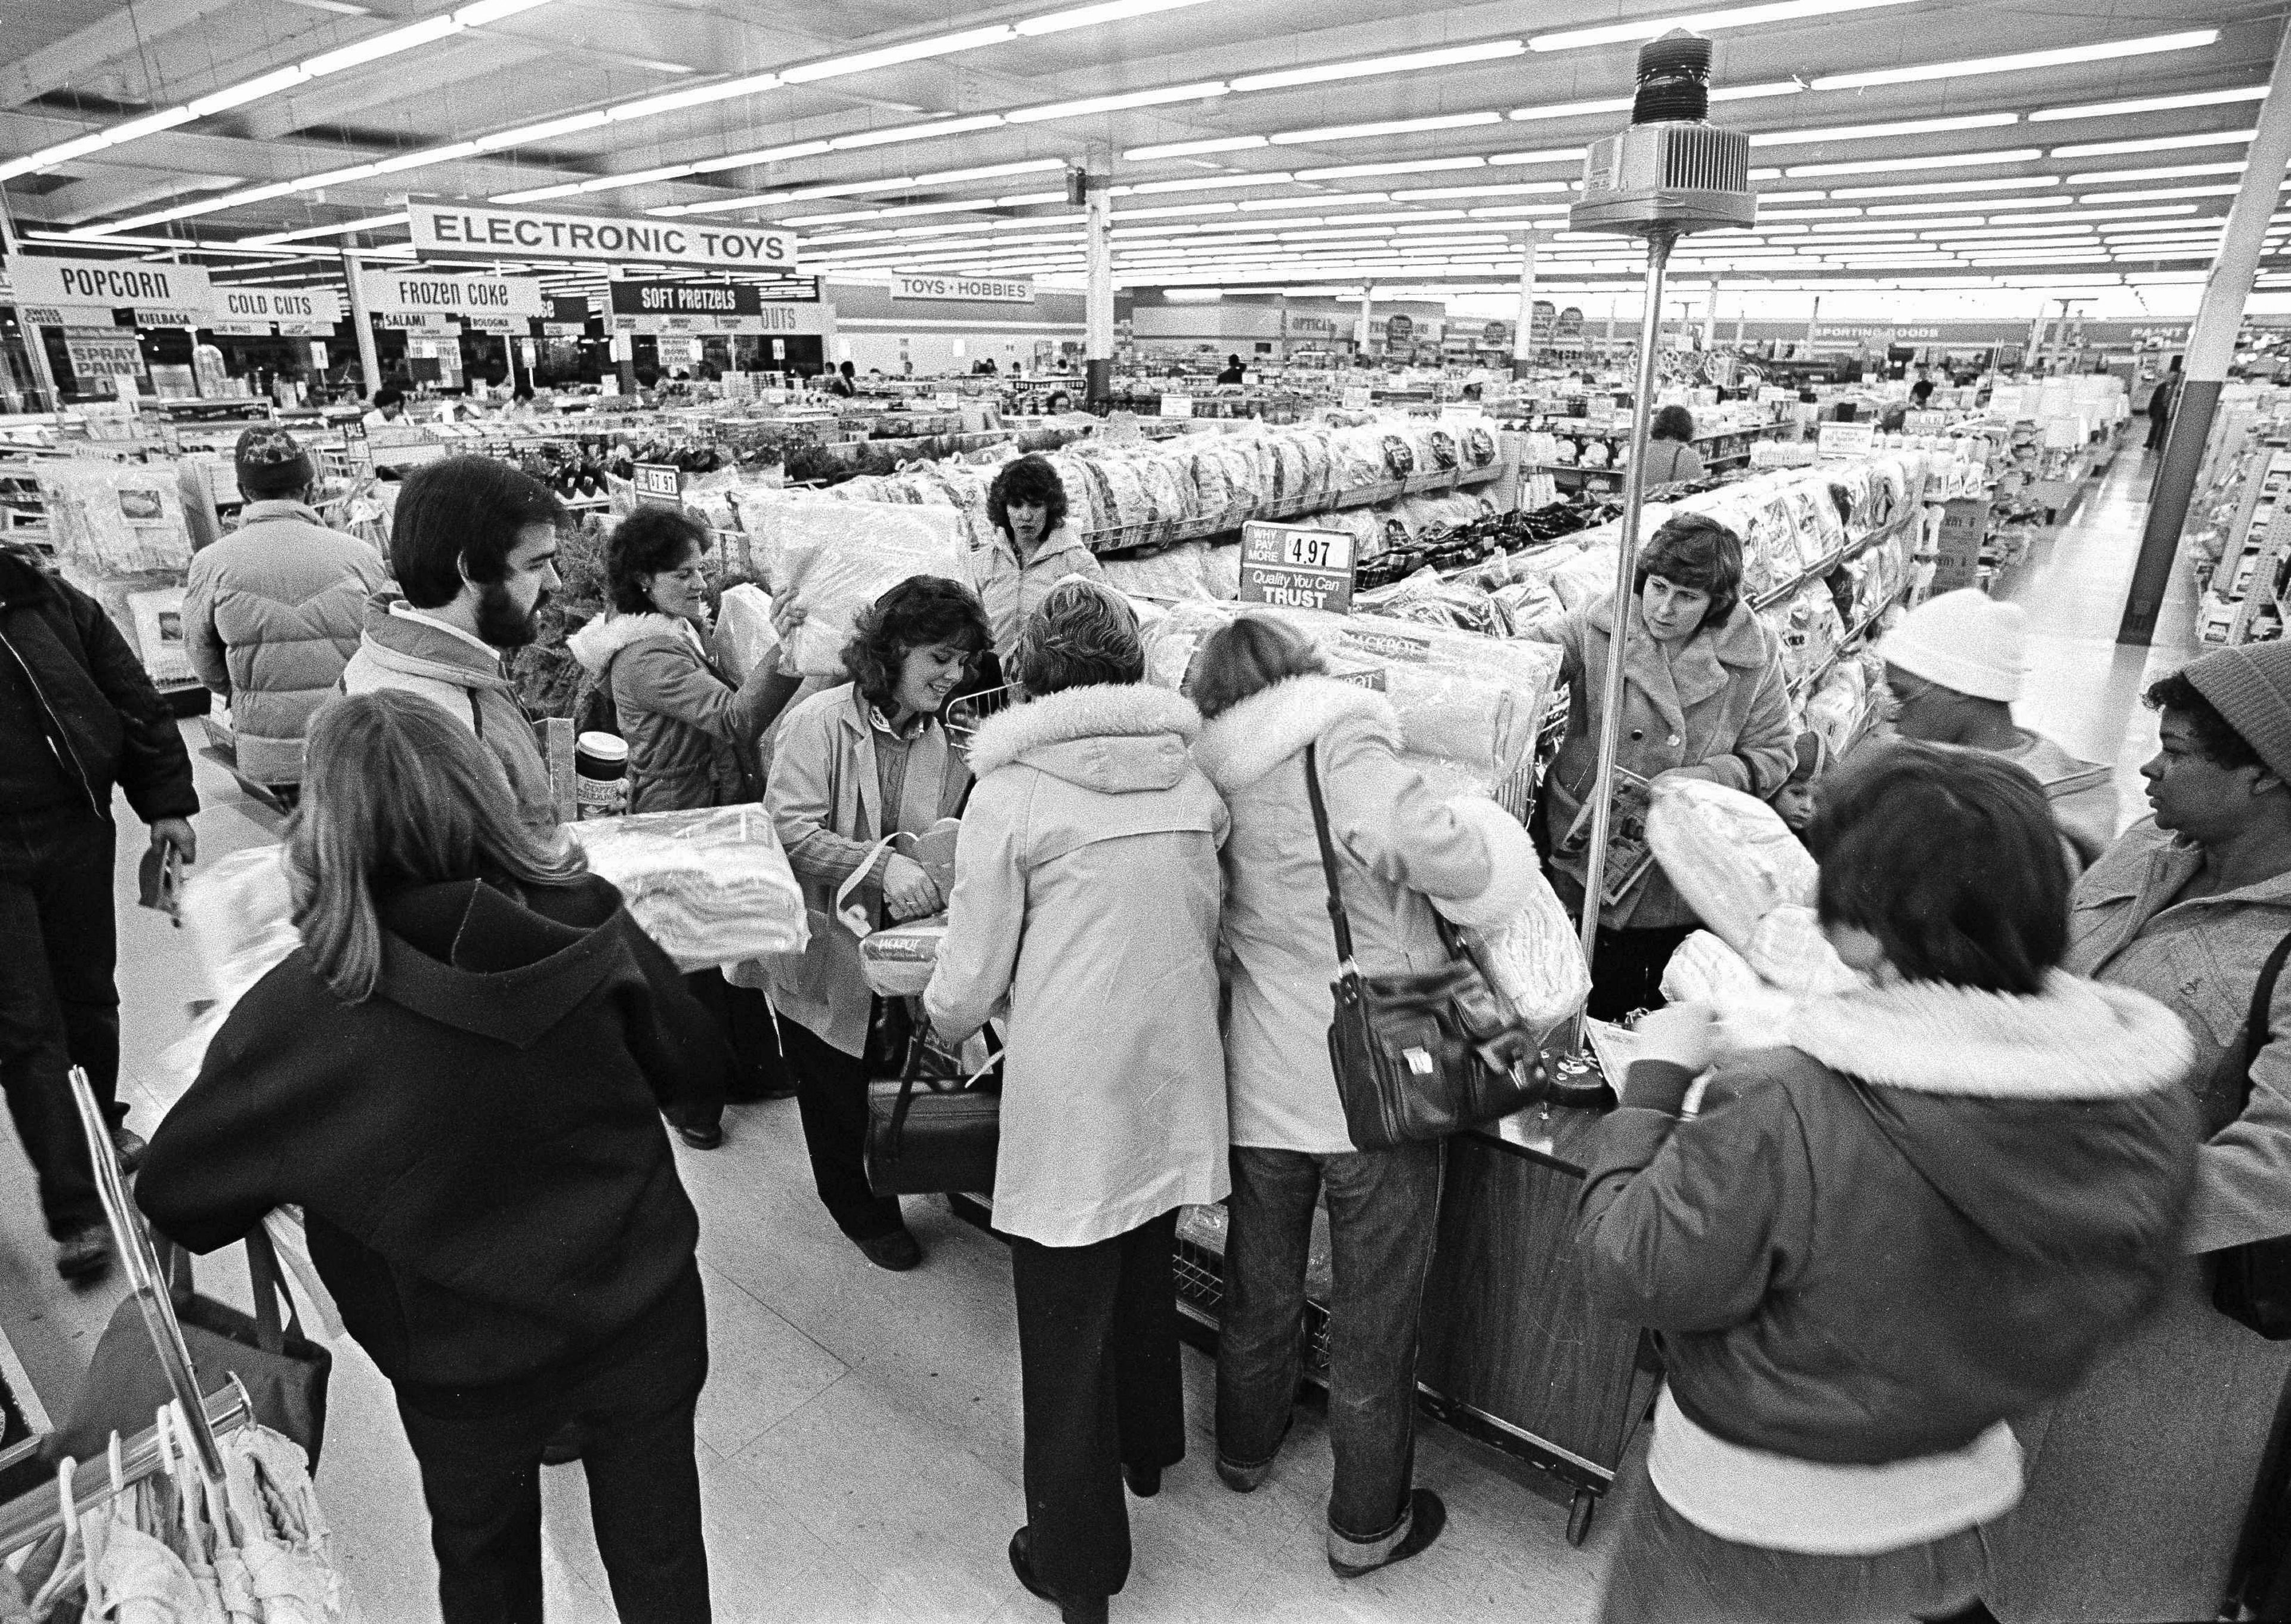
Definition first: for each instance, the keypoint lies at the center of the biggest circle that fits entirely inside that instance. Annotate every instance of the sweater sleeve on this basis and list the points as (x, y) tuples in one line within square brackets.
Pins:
[(677, 1045), (210, 1172), (1392, 823), (673, 681), (203, 643)]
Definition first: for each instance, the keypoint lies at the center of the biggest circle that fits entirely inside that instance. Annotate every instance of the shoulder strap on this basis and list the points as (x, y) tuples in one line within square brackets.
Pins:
[(1337, 919), (2257, 1031)]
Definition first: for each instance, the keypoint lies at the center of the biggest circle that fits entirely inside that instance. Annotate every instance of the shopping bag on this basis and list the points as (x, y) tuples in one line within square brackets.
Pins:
[(930, 1131)]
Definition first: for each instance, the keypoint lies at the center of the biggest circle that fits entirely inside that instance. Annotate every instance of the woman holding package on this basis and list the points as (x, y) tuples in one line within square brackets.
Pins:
[(1703, 693), (1086, 895), (1032, 550), (458, 1076), (2137, 1483), (853, 766), (691, 738), (1872, 1246), (1402, 851)]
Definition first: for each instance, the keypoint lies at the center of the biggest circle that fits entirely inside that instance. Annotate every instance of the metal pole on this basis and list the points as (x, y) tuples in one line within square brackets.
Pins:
[(1098, 303), (1523, 343), (2211, 346), (2033, 362), (362, 324), (1710, 319), (1611, 697), (36, 342), (1812, 326), (1361, 327)]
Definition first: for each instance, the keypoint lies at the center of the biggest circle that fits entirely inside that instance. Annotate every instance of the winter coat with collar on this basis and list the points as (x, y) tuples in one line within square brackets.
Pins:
[(1399, 847), (692, 735), (77, 711), (1716, 707), (1086, 893), (271, 613), (400, 651), (1009, 591), (477, 1148), (825, 800), (1929, 1212)]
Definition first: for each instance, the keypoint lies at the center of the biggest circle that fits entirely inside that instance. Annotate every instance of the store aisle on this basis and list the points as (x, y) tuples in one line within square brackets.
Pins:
[(2085, 688), (860, 1446)]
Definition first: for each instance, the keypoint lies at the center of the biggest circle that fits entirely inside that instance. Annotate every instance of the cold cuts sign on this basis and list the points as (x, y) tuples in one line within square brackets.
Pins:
[(296, 309), (486, 231), (425, 289), (969, 290), (113, 282)]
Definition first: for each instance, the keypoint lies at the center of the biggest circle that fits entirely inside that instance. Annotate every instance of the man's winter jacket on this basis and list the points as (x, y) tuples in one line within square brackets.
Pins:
[(77, 711)]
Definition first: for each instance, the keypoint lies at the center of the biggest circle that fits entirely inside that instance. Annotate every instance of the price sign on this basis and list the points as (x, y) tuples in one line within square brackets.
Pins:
[(1176, 406), (1845, 439), (1358, 399), (658, 482), (1295, 567), (355, 442), (947, 400)]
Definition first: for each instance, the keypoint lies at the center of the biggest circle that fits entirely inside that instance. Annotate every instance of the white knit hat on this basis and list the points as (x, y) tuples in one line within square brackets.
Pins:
[(1966, 640)]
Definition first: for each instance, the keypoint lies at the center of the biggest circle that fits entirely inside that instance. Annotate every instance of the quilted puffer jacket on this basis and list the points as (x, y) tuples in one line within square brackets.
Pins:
[(692, 735), (271, 614)]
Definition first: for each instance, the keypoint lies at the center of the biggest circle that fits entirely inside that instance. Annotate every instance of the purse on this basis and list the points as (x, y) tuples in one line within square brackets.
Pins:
[(2251, 1283), (284, 1373), (931, 1132), (1418, 1055)]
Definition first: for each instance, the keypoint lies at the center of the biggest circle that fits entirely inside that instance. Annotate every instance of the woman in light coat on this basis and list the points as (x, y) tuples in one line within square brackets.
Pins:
[(1032, 550), (852, 767), (1086, 893), (2137, 1482), (1704, 693), (1401, 850)]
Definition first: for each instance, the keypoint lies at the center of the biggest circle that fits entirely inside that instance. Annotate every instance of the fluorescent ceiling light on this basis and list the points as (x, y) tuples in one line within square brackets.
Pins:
[(915, 132), (1954, 220), (1083, 108), (1867, 132), (483, 11), (1394, 126), (371, 222), (2161, 191), (1952, 160), (376, 47), (1325, 200), (887, 56), (1174, 212), (2067, 56), (1347, 171), (545, 130), (2165, 172), (1207, 183), (538, 194), (1516, 188), (698, 95), (1755, 92), (1090, 16), (1795, 196), (2151, 104), (1185, 149), (2013, 185), (1548, 155), (1701, 22), (641, 177), (948, 177), (1790, 214), (1573, 109), (151, 124), (426, 155), (1451, 56), (2157, 143)]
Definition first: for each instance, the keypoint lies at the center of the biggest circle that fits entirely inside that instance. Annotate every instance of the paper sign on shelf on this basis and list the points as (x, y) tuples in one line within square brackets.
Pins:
[(946, 400), (1845, 439), (1297, 567), (659, 482), (1358, 399), (1176, 406)]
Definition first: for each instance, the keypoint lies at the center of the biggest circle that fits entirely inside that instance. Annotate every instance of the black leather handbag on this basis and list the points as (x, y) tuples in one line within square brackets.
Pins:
[(930, 1131), (1419, 1054), (2251, 1283)]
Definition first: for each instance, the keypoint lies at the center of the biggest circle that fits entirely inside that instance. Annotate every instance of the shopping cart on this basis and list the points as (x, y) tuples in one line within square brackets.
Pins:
[(965, 712)]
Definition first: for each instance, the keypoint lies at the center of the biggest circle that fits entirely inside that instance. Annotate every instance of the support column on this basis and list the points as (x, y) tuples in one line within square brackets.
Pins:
[(1710, 317), (1097, 308), (2211, 346), (1361, 328), (2033, 362), (1812, 324), (1522, 337), (362, 325), (36, 342)]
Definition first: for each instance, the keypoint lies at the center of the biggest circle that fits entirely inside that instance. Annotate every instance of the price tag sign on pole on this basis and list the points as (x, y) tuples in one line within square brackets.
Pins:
[(947, 400), (659, 482), (1295, 567), (1358, 398), (355, 443), (1845, 439), (1176, 406)]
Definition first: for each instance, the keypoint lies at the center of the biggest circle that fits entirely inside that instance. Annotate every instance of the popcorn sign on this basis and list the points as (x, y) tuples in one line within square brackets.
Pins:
[(1295, 567)]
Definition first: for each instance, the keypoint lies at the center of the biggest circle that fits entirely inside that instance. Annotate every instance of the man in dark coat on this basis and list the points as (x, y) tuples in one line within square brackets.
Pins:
[(77, 715), (2161, 402)]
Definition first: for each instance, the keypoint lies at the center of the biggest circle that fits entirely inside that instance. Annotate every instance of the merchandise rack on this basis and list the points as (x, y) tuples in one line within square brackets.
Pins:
[(1165, 532)]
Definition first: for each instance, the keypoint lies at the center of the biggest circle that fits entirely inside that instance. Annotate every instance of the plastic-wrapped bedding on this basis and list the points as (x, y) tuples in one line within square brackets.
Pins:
[(1176, 572), (897, 962), (1536, 961), (1221, 570), (711, 887), (1730, 855), (1588, 575), (1169, 493), (834, 559), (1213, 491), (744, 635), (1084, 511)]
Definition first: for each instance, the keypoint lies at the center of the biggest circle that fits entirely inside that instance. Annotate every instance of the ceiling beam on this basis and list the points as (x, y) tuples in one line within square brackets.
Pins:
[(125, 32)]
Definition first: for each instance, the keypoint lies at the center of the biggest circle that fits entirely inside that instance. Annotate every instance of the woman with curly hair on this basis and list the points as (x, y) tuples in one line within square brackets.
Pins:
[(1671, 456), (853, 766), (1033, 550)]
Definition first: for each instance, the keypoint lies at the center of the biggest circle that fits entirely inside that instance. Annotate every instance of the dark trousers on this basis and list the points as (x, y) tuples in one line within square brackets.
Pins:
[(1627, 970), (743, 1015), (1099, 1388), (830, 1093), (481, 1479), (59, 1007), (2157, 428), (1383, 1214)]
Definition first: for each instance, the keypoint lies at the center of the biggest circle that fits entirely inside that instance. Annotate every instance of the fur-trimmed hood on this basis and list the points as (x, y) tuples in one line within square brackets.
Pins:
[(1270, 726), (1113, 738), (596, 643)]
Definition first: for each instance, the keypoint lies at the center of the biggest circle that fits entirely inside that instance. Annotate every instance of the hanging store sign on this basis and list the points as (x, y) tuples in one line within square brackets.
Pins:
[(113, 282), (486, 231), (1295, 567), (428, 289), (1399, 330), (969, 290), (685, 299), (304, 306), (163, 315), (97, 352), (495, 324)]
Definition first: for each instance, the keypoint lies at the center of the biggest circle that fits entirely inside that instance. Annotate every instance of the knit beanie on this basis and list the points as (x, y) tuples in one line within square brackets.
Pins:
[(1964, 640), (2250, 685), (267, 460), (1812, 758)]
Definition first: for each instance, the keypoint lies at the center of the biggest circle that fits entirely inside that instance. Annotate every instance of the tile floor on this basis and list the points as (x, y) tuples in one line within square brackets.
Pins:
[(859, 1435)]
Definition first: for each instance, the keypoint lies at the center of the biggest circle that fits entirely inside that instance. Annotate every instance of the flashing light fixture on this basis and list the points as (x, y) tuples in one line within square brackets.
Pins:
[(1702, 22), (2022, 61)]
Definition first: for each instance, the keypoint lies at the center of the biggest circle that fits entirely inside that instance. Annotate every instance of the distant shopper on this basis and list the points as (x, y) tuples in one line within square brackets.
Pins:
[(853, 766), (1921, 391), (1086, 895), (77, 715), (2137, 1481), (1234, 371), (1954, 667), (1032, 550), (273, 611), (1671, 456), (458, 1077), (1060, 401), (474, 549), (2161, 401), (1874, 1246), (388, 407), (839, 382), (1403, 851)]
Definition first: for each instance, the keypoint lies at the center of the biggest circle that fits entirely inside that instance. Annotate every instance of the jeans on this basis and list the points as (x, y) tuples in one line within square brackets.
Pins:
[(1100, 1389), (59, 1007), (481, 1480), (1383, 1217), (1667, 1570), (831, 1095)]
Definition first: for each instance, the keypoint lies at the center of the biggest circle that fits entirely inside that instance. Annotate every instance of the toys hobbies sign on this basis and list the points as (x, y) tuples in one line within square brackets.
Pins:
[(1295, 566), (974, 290)]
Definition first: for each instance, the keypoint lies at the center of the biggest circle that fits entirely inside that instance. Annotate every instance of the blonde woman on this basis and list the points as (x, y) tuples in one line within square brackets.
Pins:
[(459, 1077)]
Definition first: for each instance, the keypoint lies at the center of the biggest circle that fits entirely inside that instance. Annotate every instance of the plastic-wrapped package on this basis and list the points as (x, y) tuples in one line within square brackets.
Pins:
[(239, 910), (1730, 855), (1789, 951), (1536, 961), (107, 518), (711, 887), (898, 960), (744, 634), (1221, 570), (1588, 575), (836, 558), (1752, 1014), (1835, 707), (1174, 572), (1530, 603)]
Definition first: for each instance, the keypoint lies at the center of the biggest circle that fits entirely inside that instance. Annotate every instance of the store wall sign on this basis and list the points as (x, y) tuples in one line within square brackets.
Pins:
[(113, 282), (972, 290), (1399, 329), (97, 354), (305, 304), (685, 299), (450, 231), (1295, 567), (428, 288)]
